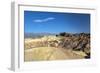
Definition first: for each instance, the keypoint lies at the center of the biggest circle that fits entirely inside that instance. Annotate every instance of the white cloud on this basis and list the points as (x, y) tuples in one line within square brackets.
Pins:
[(43, 20)]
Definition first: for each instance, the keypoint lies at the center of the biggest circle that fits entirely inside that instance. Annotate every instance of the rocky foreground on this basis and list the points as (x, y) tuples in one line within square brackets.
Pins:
[(59, 47)]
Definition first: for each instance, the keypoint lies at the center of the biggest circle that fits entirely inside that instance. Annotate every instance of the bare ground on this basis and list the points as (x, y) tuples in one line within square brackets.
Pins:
[(51, 53)]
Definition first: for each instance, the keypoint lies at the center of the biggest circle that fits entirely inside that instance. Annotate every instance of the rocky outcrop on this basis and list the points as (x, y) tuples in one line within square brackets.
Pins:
[(76, 42)]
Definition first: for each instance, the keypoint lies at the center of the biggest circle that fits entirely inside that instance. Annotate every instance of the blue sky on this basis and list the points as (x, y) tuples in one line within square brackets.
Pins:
[(54, 22)]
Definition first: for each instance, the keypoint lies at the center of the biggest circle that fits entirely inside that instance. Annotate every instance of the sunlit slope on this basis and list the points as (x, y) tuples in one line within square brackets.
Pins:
[(50, 53)]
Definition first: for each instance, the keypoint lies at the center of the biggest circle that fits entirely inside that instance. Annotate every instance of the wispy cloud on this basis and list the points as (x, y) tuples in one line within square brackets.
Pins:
[(43, 20)]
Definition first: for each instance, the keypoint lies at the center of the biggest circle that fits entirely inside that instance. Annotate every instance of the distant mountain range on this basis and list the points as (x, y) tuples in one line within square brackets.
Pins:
[(36, 35)]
